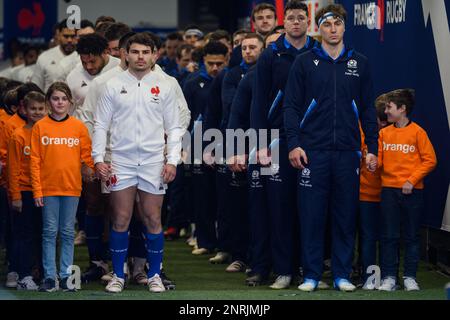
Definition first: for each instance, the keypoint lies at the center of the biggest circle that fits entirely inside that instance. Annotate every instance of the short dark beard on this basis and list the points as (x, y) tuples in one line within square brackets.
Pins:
[(64, 49)]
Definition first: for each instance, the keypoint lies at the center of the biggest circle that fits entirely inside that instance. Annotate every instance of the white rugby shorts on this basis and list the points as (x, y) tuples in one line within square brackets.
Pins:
[(146, 178)]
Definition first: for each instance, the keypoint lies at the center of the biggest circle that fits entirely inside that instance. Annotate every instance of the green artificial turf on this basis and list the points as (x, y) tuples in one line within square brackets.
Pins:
[(197, 279)]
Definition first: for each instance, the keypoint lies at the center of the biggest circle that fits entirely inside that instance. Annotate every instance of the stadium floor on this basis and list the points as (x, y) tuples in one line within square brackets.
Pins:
[(197, 279)]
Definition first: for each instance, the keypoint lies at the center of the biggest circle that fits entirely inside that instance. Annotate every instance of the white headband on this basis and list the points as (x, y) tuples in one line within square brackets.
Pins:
[(329, 15), (194, 32)]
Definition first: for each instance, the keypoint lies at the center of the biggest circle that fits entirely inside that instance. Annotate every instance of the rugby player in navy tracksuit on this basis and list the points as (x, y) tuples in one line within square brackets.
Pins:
[(328, 95), (196, 91), (240, 119), (272, 73), (232, 187), (215, 119), (212, 120)]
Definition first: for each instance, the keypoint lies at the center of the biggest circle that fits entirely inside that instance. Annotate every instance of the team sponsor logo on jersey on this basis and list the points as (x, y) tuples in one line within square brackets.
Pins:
[(201, 84), (316, 62), (123, 91), (70, 142), (398, 147), (83, 84)]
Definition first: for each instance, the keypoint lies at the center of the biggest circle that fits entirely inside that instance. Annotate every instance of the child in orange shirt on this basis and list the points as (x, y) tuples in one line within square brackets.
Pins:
[(60, 145), (406, 157), (369, 205), (26, 218), (10, 121)]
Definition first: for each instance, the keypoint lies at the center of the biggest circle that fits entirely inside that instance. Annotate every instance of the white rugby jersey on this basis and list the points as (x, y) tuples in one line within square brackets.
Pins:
[(47, 68), (185, 113), (86, 112), (9, 72), (67, 64), (138, 114), (79, 81), (24, 74)]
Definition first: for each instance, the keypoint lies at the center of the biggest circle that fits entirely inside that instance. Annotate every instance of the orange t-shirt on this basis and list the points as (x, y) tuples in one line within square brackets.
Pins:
[(58, 149), (405, 154), (4, 117), (19, 178), (370, 182), (12, 124)]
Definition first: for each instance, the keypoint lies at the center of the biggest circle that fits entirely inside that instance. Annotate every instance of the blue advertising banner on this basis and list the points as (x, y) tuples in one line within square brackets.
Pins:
[(29, 21), (408, 44)]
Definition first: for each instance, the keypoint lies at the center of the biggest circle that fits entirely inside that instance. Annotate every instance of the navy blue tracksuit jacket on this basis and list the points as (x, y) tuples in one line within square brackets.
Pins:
[(272, 73)]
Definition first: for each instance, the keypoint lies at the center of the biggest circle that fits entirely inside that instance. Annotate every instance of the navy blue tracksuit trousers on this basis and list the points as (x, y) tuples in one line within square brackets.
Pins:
[(281, 201), (330, 180), (260, 253), (205, 208), (178, 214), (224, 241), (238, 216)]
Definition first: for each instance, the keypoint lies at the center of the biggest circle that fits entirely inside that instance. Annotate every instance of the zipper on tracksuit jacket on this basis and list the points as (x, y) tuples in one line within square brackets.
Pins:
[(335, 106)]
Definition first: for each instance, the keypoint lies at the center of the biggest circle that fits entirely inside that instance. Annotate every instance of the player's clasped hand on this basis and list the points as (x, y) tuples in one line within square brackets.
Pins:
[(264, 158), (298, 158), (103, 171), (169, 172), (238, 163)]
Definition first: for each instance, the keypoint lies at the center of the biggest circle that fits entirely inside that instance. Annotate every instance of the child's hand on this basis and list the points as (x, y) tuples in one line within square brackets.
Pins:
[(407, 188), (17, 206), (371, 162), (87, 173), (39, 202)]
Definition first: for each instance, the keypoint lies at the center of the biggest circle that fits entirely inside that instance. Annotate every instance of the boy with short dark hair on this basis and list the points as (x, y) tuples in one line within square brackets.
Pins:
[(406, 157), (25, 217)]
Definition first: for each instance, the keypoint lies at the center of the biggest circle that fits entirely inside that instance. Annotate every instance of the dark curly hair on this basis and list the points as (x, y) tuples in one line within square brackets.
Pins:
[(215, 48), (92, 43)]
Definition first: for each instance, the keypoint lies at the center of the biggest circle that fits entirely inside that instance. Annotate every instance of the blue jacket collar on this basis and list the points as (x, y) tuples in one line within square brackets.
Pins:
[(204, 74), (345, 55), (244, 66), (282, 45)]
